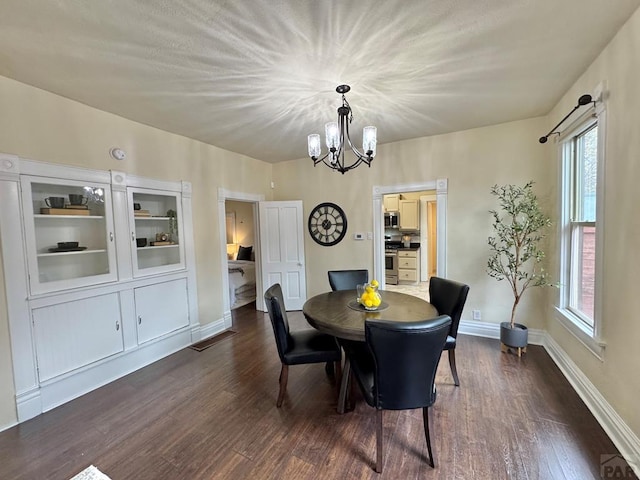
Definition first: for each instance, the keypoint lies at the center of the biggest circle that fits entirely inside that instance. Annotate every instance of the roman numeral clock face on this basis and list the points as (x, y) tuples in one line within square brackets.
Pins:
[(327, 224)]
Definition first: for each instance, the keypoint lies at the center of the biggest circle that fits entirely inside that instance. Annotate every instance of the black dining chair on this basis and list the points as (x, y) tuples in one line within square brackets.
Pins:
[(298, 347), (347, 279), (396, 369), (449, 298)]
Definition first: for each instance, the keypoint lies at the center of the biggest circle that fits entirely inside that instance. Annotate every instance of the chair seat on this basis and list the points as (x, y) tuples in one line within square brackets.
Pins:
[(311, 346), (450, 343)]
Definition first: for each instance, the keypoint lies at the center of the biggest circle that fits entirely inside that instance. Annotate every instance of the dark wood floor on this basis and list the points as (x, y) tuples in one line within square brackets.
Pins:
[(212, 414)]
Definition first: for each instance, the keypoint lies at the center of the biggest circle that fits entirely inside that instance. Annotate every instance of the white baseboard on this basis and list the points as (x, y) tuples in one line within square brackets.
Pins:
[(7, 426), (28, 404), (492, 330), (214, 328), (618, 431)]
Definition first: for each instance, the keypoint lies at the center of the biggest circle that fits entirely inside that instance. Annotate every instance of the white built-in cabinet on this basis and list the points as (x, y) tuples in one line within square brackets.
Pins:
[(81, 316)]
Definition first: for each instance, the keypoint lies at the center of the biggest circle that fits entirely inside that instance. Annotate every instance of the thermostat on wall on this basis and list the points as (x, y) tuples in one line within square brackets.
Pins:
[(358, 236)]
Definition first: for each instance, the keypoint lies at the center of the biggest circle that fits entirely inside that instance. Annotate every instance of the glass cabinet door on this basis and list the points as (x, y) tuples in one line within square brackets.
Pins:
[(69, 233), (156, 224)]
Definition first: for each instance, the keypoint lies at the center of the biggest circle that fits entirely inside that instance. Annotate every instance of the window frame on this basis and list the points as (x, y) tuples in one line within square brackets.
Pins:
[(573, 321)]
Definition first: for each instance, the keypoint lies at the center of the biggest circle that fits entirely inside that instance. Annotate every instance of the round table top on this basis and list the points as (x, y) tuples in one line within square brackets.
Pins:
[(330, 313)]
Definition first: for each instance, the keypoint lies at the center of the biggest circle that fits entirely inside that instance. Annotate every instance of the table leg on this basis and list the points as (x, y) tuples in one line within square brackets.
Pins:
[(344, 385)]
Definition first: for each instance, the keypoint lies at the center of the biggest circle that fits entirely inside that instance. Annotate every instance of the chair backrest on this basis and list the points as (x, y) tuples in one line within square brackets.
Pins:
[(347, 279), (449, 298), (406, 357), (278, 315)]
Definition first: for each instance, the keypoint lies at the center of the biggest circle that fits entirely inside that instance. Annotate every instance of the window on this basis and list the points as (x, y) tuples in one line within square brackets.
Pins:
[(582, 158), (582, 254)]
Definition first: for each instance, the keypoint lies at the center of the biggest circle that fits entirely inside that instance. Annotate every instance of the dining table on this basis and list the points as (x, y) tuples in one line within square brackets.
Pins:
[(341, 315)]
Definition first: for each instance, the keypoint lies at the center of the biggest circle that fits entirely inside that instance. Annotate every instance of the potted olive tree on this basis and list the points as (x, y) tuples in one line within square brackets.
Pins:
[(516, 255)]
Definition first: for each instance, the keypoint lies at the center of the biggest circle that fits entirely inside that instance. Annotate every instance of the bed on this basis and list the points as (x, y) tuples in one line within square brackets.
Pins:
[(242, 282)]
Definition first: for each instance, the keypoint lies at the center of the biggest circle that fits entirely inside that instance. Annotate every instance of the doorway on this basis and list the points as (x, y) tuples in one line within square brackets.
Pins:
[(253, 199), (438, 188), (241, 241)]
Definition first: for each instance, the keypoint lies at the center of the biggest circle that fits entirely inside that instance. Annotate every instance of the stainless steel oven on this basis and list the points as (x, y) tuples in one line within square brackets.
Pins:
[(391, 266)]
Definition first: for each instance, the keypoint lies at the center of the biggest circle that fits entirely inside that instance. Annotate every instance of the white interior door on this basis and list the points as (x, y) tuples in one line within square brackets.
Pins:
[(282, 250)]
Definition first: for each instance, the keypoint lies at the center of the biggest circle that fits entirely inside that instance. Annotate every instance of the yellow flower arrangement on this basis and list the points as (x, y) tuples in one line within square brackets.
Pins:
[(370, 298)]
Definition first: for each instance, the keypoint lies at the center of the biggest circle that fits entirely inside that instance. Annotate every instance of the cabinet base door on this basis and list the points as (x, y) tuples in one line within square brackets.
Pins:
[(161, 308), (73, 334)]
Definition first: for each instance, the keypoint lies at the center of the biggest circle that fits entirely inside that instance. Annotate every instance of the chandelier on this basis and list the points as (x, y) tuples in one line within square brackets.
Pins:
[(336, 133)]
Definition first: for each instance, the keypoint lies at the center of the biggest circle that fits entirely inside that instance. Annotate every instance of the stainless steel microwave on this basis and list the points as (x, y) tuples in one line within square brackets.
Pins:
[(391, 220)]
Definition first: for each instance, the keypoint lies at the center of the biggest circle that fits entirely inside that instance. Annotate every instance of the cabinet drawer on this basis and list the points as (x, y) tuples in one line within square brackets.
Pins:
[(408, 275), (408, 253), (408, 262)]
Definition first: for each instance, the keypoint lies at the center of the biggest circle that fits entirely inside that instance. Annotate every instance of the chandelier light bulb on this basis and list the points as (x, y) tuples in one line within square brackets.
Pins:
[(332, 135), (369, 140), (313, 142)]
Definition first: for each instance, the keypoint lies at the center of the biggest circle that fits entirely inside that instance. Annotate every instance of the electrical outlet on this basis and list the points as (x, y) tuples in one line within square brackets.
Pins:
[(477, 315), (369, 235)]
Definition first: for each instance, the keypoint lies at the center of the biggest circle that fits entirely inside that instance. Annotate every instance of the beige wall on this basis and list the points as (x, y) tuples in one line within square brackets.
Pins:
[(244, 222), (41, 126), (616, 376), (472, 161)]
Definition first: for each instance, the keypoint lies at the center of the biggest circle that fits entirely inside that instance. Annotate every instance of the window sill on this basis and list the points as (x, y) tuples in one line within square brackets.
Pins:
[(583, 333)]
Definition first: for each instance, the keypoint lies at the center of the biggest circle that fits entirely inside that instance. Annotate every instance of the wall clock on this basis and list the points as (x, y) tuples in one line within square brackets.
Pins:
[(327, 224)]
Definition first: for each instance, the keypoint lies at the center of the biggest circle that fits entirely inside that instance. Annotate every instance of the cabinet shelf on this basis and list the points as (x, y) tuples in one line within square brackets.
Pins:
[(151, 218), (83, 252), (79, 217), (153, 247)]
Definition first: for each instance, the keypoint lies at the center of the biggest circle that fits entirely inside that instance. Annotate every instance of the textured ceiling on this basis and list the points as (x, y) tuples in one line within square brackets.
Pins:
[(256, 77)]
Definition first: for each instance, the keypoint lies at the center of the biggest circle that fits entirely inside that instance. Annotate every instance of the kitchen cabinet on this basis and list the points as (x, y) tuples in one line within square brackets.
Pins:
[(409, 265), (391, 202), (85, 303), (409, 215)]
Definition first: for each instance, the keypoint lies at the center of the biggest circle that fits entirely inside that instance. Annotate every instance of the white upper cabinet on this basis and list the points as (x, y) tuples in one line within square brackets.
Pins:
[(409, 215), (155, 219), (69, 233), (391, 202)]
